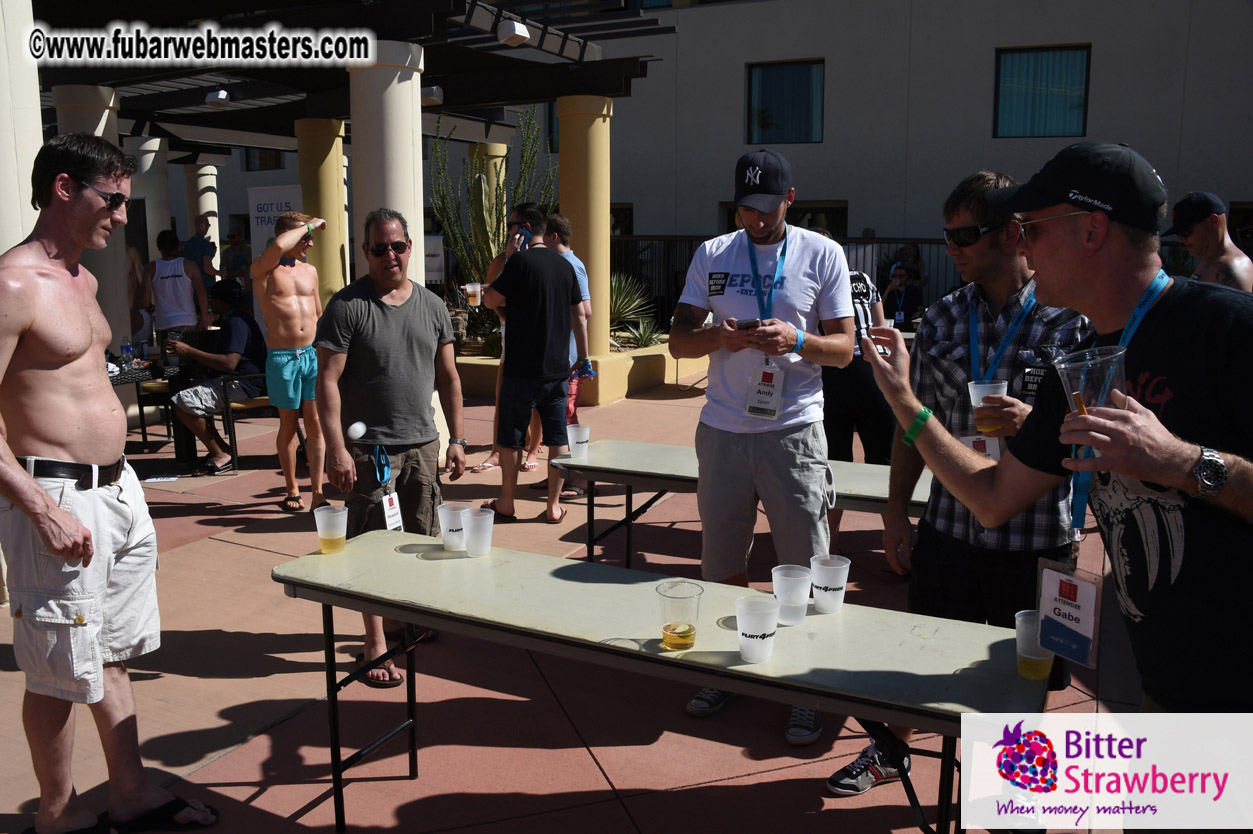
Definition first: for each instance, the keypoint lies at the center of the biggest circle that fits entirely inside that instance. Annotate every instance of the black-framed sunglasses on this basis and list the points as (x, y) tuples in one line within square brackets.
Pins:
[(307, 238), (114, 201), (400, 247), (964, 236)]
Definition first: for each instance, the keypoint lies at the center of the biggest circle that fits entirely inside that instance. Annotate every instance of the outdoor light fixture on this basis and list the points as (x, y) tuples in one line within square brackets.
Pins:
[(432, 96), (218, 98), (512, 33)]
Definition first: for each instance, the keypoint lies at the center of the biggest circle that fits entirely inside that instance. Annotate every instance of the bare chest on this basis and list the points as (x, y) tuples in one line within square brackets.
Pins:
[(67, 326)]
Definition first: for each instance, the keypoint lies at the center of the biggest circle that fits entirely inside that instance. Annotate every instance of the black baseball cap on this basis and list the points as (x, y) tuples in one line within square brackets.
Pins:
[(762, 179), (1191, 210), (1094, 176), (228, 290)]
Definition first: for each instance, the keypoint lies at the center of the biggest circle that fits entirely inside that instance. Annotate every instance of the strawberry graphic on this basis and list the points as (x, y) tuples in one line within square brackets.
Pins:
[(1028, 760)]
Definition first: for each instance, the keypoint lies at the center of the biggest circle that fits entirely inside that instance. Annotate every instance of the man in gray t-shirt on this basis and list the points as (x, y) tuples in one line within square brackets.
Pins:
[(384, 345)]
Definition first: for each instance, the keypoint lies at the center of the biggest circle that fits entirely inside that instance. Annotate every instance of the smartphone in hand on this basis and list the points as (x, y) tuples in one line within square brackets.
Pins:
[(747, 324), (526, 237)]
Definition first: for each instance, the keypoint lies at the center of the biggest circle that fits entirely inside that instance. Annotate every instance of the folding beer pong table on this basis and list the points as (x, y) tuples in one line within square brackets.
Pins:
[(875, 664), (662, 468)]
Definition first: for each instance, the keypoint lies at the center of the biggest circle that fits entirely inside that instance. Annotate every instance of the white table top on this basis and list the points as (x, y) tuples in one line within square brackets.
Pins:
[(877, 664), (858, 486)]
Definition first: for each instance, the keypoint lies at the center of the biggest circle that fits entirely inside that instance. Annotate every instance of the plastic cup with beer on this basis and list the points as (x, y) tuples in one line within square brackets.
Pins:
[(1034, 662), (332, 527), (477, 522), (451, 524), (474, 294), (830, 576), (756, 620), (791, 589), (680, 608), (979, 390), (579, 435)]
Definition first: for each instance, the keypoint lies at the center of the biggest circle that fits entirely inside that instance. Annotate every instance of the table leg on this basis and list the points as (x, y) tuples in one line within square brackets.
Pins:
[(411, 693), (948, 766), (332, 710), (630, 523), (591, 519)]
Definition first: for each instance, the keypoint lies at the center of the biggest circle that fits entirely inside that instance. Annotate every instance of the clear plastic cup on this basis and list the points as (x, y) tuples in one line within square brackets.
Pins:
[(579, 435), (979, 390), (830, 576), (473, 294), (791, 589), (332, 525), (478, 530), (451, 524), (1034, 662), (756, 619), (680, 608)]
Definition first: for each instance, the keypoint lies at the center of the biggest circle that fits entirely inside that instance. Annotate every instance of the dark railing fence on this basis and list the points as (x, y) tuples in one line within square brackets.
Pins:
[(661, 264)]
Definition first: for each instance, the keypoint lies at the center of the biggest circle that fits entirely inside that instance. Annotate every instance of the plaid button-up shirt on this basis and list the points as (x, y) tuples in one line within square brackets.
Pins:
[(940, 369)]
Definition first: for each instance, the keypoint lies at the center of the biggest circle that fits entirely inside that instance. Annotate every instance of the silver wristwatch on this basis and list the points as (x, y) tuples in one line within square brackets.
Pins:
[(460, 441), (1211, 474)]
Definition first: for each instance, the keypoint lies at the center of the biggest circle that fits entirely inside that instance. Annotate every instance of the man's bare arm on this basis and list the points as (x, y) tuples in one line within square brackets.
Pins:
[(690, 337), (1230, 275), (898, 531), (284, 242), (448, 383)]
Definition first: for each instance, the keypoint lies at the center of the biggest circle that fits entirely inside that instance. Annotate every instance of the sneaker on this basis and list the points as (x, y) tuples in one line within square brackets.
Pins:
[(803, 727), (867, 770), (708, 701)]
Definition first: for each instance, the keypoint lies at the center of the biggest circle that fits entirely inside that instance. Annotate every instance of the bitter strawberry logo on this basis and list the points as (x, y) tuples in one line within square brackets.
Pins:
[(1028, 760), (1068, 590), (767, 377)]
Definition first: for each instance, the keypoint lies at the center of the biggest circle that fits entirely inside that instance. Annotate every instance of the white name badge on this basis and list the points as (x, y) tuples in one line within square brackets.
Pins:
[(986, 446), (1070, 608), (765, 393), (900, 318), (391, 512)]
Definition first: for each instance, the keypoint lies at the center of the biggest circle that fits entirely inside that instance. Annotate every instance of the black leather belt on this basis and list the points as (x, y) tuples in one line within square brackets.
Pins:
[(81, 473)]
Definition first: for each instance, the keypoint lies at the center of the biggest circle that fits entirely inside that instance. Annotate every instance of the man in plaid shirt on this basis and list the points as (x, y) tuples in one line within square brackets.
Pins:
[(960, 569)]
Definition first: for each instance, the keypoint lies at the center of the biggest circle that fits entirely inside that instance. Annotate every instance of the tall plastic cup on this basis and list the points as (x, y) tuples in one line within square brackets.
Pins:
[(979, 390), (791, 589), (478, 527), (580, 436), (830, 576), (1034, 662), (473, 294), (757, 619), (1090, 376), (332, 525), (680, 608), (451, 524)]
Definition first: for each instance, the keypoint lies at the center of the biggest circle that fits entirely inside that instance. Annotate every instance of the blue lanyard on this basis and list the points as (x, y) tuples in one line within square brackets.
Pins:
[(1083, 480), (766, 305), (976, 358), (382, 466)]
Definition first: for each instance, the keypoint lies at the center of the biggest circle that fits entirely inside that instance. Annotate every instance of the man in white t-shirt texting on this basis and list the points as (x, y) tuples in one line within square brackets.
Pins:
[(760, 434)]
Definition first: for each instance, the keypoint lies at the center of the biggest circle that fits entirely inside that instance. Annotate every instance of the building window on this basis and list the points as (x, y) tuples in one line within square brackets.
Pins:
[(1042, 92), (622, 220), (785, 103), (263, 159)]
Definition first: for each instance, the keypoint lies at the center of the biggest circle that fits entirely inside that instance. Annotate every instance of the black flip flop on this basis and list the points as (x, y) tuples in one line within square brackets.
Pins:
[(389, 667)]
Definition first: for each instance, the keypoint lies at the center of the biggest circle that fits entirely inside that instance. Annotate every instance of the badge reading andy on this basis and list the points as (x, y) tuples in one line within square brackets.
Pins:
[(765, 391)]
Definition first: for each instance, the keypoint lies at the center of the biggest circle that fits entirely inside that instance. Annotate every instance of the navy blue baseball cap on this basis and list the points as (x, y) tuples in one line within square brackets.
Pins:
[(1191, 210), (1093, 176), (762, 179)]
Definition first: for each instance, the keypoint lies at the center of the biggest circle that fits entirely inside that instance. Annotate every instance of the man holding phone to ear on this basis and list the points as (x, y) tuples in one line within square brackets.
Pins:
[(768, 286)]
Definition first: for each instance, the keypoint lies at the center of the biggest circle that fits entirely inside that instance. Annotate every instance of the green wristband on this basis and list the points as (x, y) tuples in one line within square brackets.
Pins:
[(916, 428), (309, 228)]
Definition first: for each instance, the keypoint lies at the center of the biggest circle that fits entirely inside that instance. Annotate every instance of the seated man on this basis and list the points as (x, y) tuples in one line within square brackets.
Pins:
[(240, 349)]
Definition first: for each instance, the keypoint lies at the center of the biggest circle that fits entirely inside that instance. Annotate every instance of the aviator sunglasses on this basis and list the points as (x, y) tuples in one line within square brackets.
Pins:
[(966, 235), (114, 201), (400, 247)]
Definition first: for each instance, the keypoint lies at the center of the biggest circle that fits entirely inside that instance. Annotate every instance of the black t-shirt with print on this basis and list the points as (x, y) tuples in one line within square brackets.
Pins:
[(1182, 567)]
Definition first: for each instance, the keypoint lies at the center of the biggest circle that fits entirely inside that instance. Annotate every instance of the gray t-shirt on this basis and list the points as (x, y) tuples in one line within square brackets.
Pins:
[(389, 373)]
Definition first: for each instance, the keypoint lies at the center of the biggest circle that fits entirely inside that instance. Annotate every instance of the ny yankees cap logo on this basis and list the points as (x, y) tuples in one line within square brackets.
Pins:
[(752, 176)]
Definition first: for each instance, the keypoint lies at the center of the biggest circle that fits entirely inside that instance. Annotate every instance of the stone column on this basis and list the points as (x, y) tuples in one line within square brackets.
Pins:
[(584, 194), (86, 109), (386, 112), (151, 183), (201, 178), (20, 123), (320, 155)]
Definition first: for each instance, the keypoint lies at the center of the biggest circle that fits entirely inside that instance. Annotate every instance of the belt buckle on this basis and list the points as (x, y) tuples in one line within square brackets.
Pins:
[(84, 480)]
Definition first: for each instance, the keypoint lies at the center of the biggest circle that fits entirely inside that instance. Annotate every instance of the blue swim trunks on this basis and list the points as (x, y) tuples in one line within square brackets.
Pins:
[(290, 376)]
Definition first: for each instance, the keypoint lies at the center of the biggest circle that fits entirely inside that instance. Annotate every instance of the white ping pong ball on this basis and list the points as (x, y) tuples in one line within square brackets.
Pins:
[(356, 430)]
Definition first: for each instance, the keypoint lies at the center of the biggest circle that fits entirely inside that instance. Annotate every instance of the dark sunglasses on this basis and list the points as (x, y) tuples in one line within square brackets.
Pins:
[(400, 247), (307, 238), (114, 201), (966, 235)]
